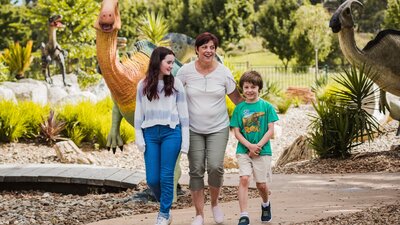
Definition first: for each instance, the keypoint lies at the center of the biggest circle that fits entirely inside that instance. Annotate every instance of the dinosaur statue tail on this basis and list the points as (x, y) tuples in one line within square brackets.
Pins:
[(141, 52)]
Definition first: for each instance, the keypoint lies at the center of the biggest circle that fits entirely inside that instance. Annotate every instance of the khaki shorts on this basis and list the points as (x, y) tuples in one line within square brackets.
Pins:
[(260, 167)]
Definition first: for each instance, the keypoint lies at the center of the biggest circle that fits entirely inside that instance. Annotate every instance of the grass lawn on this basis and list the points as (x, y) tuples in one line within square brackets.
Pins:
[(260, 58)]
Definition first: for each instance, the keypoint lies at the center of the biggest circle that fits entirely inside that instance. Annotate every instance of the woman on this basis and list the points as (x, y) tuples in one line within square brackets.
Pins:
[(206, 83), (162, 127)]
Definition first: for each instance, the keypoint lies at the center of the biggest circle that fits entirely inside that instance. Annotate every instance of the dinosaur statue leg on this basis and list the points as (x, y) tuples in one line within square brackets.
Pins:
[(61, 62), (177, 175), (47, 74), (114, 139)]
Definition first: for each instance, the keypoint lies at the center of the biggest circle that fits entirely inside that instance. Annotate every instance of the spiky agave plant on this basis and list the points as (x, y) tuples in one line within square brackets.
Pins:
[(154, 27), (51, 128), (340, 125)]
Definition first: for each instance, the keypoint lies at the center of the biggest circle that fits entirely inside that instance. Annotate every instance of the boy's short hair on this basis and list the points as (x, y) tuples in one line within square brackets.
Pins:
[(252, 77)]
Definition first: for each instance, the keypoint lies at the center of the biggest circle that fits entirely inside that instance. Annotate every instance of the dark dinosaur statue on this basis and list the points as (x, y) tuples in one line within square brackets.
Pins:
[(52, 51), (381, 55)]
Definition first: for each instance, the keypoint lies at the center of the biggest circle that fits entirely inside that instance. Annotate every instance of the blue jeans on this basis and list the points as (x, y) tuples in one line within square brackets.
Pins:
[(163, 146)]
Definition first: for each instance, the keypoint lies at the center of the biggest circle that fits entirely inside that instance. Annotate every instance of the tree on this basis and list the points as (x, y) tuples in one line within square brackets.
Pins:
[(78, 36), (131, 11), (229, 20), (175, 11), (312, 22), (371, 15), (392, 15), (276, 26), (14, 24)]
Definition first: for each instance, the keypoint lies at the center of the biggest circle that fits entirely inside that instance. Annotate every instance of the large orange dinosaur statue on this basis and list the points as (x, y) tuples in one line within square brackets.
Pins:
[(120, 77)]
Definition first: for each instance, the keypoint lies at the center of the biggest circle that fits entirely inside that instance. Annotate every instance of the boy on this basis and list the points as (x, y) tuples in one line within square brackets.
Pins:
[(253, 125)]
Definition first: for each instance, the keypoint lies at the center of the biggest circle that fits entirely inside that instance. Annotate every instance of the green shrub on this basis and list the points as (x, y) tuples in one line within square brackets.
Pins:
[(127, 132), (81, 121), (86, 79), (230, 106), (91, 122), (297, 101), (283, 105), (76, 134), (342, 124), (33, 115), (4, 72), (332, 131), (12, 127), (271, 89)]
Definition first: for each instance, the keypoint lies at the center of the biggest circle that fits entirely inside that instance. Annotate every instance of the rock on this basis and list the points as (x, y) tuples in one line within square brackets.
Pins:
[(7, 94), (230, 162), (28, 90), (68, 152)]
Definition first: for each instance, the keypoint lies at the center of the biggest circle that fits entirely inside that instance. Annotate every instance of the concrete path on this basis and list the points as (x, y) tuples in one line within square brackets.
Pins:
[(296, 198)]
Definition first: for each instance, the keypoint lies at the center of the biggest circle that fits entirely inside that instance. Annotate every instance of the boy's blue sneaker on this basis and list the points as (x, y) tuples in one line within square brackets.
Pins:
[(266, 214), (244, 220)]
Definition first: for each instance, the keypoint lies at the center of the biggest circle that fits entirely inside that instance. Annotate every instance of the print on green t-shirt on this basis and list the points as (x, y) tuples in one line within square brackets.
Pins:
[(252, 119)]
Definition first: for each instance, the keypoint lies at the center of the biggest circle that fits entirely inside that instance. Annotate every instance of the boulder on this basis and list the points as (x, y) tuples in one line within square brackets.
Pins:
[(7, 94), (28, 90)]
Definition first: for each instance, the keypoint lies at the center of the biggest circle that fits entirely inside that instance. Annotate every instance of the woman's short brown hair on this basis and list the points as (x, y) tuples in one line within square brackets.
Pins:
[(252, 77), (204, 38)]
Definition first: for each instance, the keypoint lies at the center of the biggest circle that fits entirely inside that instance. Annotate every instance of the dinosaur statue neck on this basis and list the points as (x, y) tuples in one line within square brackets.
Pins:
[(52, 37), (349, 47), (121, 79)]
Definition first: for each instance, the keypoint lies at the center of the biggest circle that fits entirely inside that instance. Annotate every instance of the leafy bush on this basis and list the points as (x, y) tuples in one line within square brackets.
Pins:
[(87, 79), (283, 105), (127, 132), (271, 88), (91, 122), (12, 126), (4, 72), (297, 101), (342, 124), (81, 121), (33, 115)]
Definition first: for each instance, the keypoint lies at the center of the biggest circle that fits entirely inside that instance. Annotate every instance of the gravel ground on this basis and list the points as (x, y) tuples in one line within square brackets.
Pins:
[(35, 207)]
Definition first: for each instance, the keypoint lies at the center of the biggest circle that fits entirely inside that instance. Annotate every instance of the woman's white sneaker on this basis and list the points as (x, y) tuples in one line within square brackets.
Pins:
[(198, 220), (218, 214)]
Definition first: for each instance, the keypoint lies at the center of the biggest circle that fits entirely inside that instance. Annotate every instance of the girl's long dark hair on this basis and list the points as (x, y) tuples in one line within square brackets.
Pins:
[(151, 80)]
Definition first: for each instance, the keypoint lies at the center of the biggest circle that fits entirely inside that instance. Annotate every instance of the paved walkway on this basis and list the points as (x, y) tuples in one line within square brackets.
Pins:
[(296, 198), (21, 176)]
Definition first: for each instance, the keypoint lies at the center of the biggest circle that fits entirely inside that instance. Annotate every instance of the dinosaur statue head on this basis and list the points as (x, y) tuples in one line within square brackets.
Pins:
[(55, 21), (109, 19), (343, 17)]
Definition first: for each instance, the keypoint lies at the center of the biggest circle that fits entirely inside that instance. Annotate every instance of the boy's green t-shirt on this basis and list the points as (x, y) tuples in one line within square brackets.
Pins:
[(252, 120)]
